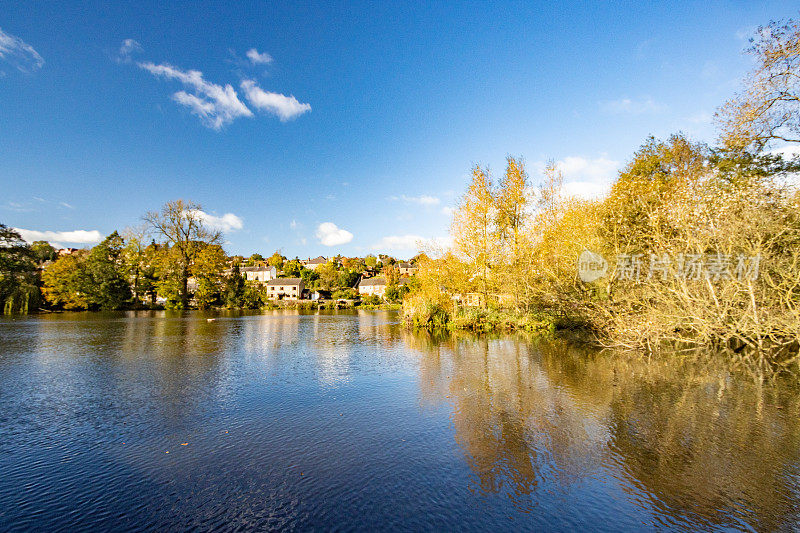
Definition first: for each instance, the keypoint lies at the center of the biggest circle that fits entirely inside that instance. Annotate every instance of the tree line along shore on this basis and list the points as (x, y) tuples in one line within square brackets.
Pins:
[(696, 245), (187, 268)]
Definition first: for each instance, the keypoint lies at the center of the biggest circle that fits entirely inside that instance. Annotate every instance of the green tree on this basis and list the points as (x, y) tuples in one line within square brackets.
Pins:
[(254, 296), (371, 261), (43, 251), (233, 293), (106, 281), (18, 284), (207, 272)]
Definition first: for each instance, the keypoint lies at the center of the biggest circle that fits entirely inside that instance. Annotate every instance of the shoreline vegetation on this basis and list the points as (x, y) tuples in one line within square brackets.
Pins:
[(695, 247)]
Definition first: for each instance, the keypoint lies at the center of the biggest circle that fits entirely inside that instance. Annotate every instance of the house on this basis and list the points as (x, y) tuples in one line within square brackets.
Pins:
[(407, 269), (66, 251), (285, 288), (376, 286), (311, 264), (259, 273)]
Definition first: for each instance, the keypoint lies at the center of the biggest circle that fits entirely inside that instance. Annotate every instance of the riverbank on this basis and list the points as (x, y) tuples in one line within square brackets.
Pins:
[(430, 315)]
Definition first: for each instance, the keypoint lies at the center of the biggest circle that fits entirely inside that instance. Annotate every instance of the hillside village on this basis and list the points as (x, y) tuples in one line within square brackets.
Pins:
[(369, 280), (325, 278)]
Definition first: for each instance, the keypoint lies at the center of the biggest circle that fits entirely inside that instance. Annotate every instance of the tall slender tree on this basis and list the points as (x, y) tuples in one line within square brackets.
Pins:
[(473, 230)]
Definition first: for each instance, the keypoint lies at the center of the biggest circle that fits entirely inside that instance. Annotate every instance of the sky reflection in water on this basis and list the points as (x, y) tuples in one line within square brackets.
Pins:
[(293, 420)]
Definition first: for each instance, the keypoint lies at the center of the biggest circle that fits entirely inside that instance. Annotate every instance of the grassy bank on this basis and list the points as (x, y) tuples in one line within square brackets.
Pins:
[(434, 315)]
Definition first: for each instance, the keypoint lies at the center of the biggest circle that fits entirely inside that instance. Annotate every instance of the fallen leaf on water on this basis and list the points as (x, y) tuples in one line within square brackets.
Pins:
[(166, 452), (184, 443)]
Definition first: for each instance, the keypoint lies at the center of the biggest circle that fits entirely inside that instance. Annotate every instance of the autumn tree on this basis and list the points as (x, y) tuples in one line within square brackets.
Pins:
[(328, 276), (65, 281), (513, 211), (473, 230), (180, 224), (768, 109), (276, 260), (137, 260)]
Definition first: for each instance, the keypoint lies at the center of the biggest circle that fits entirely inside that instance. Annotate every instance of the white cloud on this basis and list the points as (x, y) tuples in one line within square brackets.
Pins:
[(18, 53), (284, 107), (409, 243), (258, 59), (294, 224), (421, 200), (216, 105), (329, 234), (586, 177), (226, 223), (631, 107), (73, 237), (127, 49), (447, 210)]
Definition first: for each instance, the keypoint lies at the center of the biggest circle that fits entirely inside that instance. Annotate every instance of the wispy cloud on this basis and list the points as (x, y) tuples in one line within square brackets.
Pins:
[(38, 204), (258, 59), (73, 237), (329, 234), (627, 106), (16, 206), (216, 105), (128, 48), (226, 223), (282, 106), (219, 105), (420, 200), (19, 54)]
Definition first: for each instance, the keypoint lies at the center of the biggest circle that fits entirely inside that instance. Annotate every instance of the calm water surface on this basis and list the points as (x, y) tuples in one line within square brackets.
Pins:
[(158, 421)]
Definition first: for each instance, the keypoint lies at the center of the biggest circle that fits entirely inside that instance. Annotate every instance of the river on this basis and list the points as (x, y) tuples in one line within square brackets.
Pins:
[(345, 420)]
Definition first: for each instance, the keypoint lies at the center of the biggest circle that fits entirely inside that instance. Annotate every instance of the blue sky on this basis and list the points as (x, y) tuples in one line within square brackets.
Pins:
[(349, 128)]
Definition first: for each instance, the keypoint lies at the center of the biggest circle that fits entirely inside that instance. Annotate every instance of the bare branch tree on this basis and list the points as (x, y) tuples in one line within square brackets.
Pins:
[(180, 224)]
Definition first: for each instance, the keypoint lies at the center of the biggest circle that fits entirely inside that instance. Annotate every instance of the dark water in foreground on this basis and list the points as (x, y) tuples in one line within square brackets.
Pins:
[(346, 421)]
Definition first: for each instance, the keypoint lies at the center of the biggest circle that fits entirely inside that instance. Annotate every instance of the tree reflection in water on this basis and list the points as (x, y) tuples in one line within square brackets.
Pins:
[(686, 438)]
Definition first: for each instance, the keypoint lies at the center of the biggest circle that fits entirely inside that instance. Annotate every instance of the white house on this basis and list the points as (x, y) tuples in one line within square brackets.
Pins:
[(285, 288), (407, 269), (262, 274), (376, 285), (311, 264)]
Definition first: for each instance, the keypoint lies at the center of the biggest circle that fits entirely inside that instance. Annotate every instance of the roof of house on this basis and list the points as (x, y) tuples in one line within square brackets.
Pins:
[(379, 280), (317, 261), (370, 282), (405, 265), (285, 281)]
